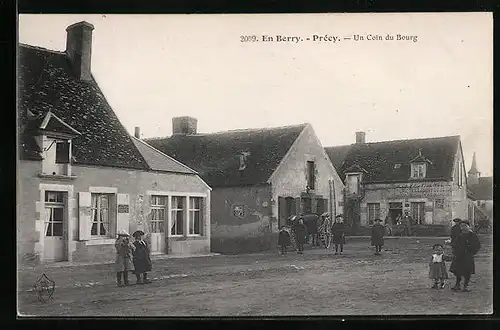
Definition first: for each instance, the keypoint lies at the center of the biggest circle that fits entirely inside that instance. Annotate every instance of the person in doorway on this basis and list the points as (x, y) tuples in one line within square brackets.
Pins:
[(378, 236), (437, 267), (123, 263), (462, 265), (300, 235), (338, 231), (407, 222), (283, 239), (142, 258)]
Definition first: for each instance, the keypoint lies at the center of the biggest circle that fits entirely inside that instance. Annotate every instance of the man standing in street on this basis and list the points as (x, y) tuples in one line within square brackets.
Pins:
[(466, 246), (455, 233), (300, 235), (407, 221)]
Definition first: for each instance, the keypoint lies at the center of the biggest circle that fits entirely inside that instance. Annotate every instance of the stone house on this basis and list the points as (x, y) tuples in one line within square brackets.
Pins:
[(425, 177), (260, 177), (82, 177)]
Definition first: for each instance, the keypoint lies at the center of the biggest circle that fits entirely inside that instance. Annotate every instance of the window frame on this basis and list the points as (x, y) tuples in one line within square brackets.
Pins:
[(349, 176), (111, 221), (418, 220), (53, 205), (415, 173), (156, 223), (311, 174), (176, 218), (191, 218), (376, 211)]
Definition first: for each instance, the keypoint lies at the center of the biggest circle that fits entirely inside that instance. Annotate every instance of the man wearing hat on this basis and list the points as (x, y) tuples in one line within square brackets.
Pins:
[(142, 258), (378, 236), (455, 232), (466, 246), (123, 262)]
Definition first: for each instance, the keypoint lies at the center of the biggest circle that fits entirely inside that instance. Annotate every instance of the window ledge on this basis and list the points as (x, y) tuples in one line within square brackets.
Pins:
[(57, 176), (100, 241)]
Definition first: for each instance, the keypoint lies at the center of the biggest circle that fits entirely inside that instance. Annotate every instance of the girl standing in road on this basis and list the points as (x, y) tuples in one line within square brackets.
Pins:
[(283, 239), (123, 263), (437, 267)]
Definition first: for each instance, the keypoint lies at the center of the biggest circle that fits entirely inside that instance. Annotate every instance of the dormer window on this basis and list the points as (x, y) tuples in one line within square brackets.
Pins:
[(353, 183), (62, 152), (243, 160), (419, 166), (418, 170)]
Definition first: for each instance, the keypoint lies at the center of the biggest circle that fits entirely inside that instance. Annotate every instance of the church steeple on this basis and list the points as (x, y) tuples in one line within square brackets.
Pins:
[(474, 174)]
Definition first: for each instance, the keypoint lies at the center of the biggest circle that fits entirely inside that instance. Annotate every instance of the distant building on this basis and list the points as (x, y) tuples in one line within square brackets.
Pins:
[(480, 191), (260, 177), (425, 177), (82, 177)]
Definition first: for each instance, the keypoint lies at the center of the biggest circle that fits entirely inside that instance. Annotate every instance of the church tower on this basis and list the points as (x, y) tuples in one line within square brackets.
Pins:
[(474, 174)]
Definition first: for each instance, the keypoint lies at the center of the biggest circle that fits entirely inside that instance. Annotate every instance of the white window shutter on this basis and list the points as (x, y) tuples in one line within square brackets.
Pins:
[(84, 215), (123, 216)]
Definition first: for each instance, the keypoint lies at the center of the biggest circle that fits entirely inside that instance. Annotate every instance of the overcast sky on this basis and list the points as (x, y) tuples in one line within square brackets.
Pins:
[(155, 67)]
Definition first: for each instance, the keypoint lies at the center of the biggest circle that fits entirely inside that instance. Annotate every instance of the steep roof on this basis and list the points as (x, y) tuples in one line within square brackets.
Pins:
[(216, 157), (483, 190), (46, 83), (158, 161), (390, 160)]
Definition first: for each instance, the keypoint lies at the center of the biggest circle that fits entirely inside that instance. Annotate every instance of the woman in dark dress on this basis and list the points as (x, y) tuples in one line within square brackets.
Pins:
[(300, 235), (142, 258), (338, 230), (378, 236), (462, 265)]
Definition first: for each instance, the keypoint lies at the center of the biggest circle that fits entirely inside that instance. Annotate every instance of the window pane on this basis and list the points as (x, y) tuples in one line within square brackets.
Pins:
[(180, 223), (93, 230), (177, 202), (58, 214), (104, 201), (194, 203), (161, 227), (162, 200), (58, 229), (196, 225), (161, 214), (48, 229)]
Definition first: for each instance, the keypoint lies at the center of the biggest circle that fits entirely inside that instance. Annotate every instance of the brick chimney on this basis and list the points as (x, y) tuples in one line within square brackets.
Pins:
[(360, 137), (184, 125), (137, 132), (79, 48)]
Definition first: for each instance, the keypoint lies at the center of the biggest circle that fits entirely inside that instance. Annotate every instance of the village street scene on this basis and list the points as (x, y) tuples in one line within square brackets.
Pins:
[(164, 175)]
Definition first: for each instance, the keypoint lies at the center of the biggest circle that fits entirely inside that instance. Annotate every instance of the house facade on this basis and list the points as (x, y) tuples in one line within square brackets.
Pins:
[(425, 177), (259, 177), (82, 177)]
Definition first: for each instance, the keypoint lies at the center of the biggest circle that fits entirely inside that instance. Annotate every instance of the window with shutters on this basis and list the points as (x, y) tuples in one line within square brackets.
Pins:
[(158, 213), (373, 212), (195, 216), (100, 219), (177, 213)]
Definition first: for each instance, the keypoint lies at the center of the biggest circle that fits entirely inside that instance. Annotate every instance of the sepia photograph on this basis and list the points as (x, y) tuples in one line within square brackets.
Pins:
[(236, 165)]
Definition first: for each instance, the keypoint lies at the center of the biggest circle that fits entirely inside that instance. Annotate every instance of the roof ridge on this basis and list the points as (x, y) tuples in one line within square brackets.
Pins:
[(59, 52), (398, 140), (238, 130)]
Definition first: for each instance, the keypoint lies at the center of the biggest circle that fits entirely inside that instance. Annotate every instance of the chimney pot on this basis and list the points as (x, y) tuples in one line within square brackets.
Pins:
[(360, 137), (137, 132), (184, 125), (79, 48)]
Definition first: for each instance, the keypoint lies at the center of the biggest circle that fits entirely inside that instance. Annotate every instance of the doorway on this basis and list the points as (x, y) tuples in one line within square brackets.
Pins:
[(395, 211), (54, 226), (158, 223)]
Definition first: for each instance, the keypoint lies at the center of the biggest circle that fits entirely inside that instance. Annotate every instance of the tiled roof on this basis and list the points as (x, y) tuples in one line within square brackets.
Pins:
[(216, 157), (483, 190), (390, 160), (46, 83), (158, 161)]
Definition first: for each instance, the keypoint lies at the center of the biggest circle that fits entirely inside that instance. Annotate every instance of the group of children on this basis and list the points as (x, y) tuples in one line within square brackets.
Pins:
[(132, 257)]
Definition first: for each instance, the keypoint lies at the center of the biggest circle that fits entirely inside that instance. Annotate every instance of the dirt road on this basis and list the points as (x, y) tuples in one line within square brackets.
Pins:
[(315, 283)]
